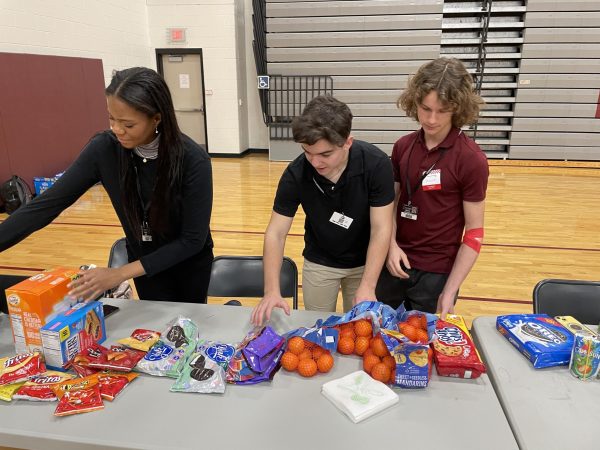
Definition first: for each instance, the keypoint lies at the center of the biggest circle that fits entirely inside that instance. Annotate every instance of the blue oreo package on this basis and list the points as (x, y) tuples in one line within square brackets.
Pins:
[(543, 340)]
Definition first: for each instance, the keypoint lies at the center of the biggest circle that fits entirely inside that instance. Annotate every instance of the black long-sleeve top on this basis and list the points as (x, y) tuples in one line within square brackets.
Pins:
[(100, 162)]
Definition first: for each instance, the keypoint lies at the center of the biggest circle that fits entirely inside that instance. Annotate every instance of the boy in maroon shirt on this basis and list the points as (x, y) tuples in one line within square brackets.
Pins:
[(440, 182)]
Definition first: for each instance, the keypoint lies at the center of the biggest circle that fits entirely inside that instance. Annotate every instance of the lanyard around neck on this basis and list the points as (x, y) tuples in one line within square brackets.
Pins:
[(409, 189)]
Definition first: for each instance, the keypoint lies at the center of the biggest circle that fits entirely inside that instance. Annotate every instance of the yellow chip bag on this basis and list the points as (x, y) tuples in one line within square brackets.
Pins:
[(8, 390), (141, 339)]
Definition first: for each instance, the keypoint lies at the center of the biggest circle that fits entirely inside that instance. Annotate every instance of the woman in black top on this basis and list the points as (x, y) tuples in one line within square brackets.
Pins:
[(160, 184)]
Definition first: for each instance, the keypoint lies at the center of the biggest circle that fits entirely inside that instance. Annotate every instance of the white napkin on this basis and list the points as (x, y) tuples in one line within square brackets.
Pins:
[(359, 396)]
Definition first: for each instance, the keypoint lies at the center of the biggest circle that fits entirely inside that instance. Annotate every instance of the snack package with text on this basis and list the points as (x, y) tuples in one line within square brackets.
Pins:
[(201, 374), (112, 383), (168, 356), (78, 396), (39, 387), (539, 337), (454, 352), (118, 358), (21, 367), (141, 339), (257, 357)]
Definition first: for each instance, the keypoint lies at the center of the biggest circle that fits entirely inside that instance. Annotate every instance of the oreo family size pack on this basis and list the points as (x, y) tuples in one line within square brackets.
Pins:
[(539, 337)]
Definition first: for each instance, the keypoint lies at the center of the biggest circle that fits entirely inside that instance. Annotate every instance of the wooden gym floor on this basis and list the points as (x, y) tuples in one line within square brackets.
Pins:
[(541, 222)]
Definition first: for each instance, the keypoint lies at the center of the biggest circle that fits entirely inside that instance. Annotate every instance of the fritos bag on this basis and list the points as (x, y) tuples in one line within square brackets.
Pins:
[(454, 352), (20, 367), (39, 387)]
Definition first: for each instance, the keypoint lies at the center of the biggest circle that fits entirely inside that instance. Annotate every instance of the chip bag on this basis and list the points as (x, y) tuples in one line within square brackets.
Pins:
[(141, 339), (112, 383), (77, 396), (257, 357), (21, 367), (118, 358), (39, 387), (8, 390)]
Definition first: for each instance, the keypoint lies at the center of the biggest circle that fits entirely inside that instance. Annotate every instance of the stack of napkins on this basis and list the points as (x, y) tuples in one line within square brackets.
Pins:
[(359, 396)]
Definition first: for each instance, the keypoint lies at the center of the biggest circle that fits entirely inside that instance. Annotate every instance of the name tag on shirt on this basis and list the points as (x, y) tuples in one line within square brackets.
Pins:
[(433, 181), (341, 220)]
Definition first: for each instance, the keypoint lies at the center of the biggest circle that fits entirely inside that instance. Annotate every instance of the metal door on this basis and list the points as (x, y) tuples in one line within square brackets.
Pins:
[(183, 73)]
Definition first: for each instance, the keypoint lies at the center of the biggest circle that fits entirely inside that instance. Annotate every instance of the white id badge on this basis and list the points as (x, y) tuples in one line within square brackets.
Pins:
[(409, 211), (341, 220)]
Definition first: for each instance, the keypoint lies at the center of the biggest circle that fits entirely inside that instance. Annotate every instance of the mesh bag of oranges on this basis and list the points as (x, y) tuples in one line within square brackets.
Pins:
[(403, 357), (308, 351)]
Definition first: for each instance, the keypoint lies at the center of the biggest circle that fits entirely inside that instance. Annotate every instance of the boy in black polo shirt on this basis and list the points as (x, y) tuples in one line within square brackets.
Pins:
[(346, 189)]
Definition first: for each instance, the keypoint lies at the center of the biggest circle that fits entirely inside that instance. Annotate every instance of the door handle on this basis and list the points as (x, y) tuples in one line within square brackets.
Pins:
[(190, 110)]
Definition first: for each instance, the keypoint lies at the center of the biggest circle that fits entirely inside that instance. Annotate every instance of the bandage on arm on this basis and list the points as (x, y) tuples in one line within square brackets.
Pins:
[(473, 238)]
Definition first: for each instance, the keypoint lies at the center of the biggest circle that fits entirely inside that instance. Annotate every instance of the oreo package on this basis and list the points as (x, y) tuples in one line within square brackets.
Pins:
[(543, 340)]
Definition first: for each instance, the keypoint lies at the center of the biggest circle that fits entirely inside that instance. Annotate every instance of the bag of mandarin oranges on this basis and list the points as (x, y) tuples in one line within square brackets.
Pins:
[(308, 350)]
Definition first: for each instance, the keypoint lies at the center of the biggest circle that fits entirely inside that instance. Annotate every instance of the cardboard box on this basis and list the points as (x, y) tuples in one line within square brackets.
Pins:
[(72, 332), (36, 301)]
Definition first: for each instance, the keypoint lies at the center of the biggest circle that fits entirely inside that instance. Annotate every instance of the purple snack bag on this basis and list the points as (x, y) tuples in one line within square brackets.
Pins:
[(260, 347)]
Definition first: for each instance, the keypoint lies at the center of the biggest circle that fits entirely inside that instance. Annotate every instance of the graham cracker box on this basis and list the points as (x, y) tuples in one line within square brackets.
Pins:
[(34, 302), (71, 332)]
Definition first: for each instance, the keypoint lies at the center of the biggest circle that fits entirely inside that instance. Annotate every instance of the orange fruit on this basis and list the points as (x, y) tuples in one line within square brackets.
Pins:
[(424, 322), (422, 336), (361, 345), (410, 332), (296, 345), (289, 361), (348, 332), (381, 372), (378, 346), (389, 361), (325, 362), (306, 354), (347, 326), (307, 367), (345, 345), (369, 361), (317, 351), (308, 344), (414, 320), (363, 328), (368, 351)]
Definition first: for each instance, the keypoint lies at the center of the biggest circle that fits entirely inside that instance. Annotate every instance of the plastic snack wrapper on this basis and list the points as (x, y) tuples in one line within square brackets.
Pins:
[(77, 396), (39, 387), (141, 339), (454, 352), (257, 357), (168, 356), (219, 352), (118, 358), (8, 390), (414, 360), (380, 315), (112, 383), (21, 367), (201, 374)]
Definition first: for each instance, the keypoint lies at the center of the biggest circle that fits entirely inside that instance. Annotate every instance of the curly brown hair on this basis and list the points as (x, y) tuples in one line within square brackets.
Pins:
[(454, 87)]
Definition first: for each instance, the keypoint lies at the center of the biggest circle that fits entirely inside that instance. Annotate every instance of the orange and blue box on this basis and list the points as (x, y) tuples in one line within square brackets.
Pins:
[(71, 332)]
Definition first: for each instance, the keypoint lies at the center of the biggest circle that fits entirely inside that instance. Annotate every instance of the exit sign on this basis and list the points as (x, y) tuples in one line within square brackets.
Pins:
[(176, 35)]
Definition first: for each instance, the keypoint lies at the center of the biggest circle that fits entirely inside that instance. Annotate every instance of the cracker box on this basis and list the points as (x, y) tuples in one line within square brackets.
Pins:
[(34, 302), (539, 337), (72, 332)]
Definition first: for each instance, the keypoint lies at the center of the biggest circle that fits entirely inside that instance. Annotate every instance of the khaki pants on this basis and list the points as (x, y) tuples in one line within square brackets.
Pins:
[(321, 284)]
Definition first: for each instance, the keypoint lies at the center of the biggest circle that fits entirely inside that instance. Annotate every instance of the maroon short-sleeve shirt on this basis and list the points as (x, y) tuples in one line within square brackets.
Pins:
[(431, 242)]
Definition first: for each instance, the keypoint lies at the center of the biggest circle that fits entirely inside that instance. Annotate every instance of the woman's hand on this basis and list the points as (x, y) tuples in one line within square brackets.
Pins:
[(92, 283)]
